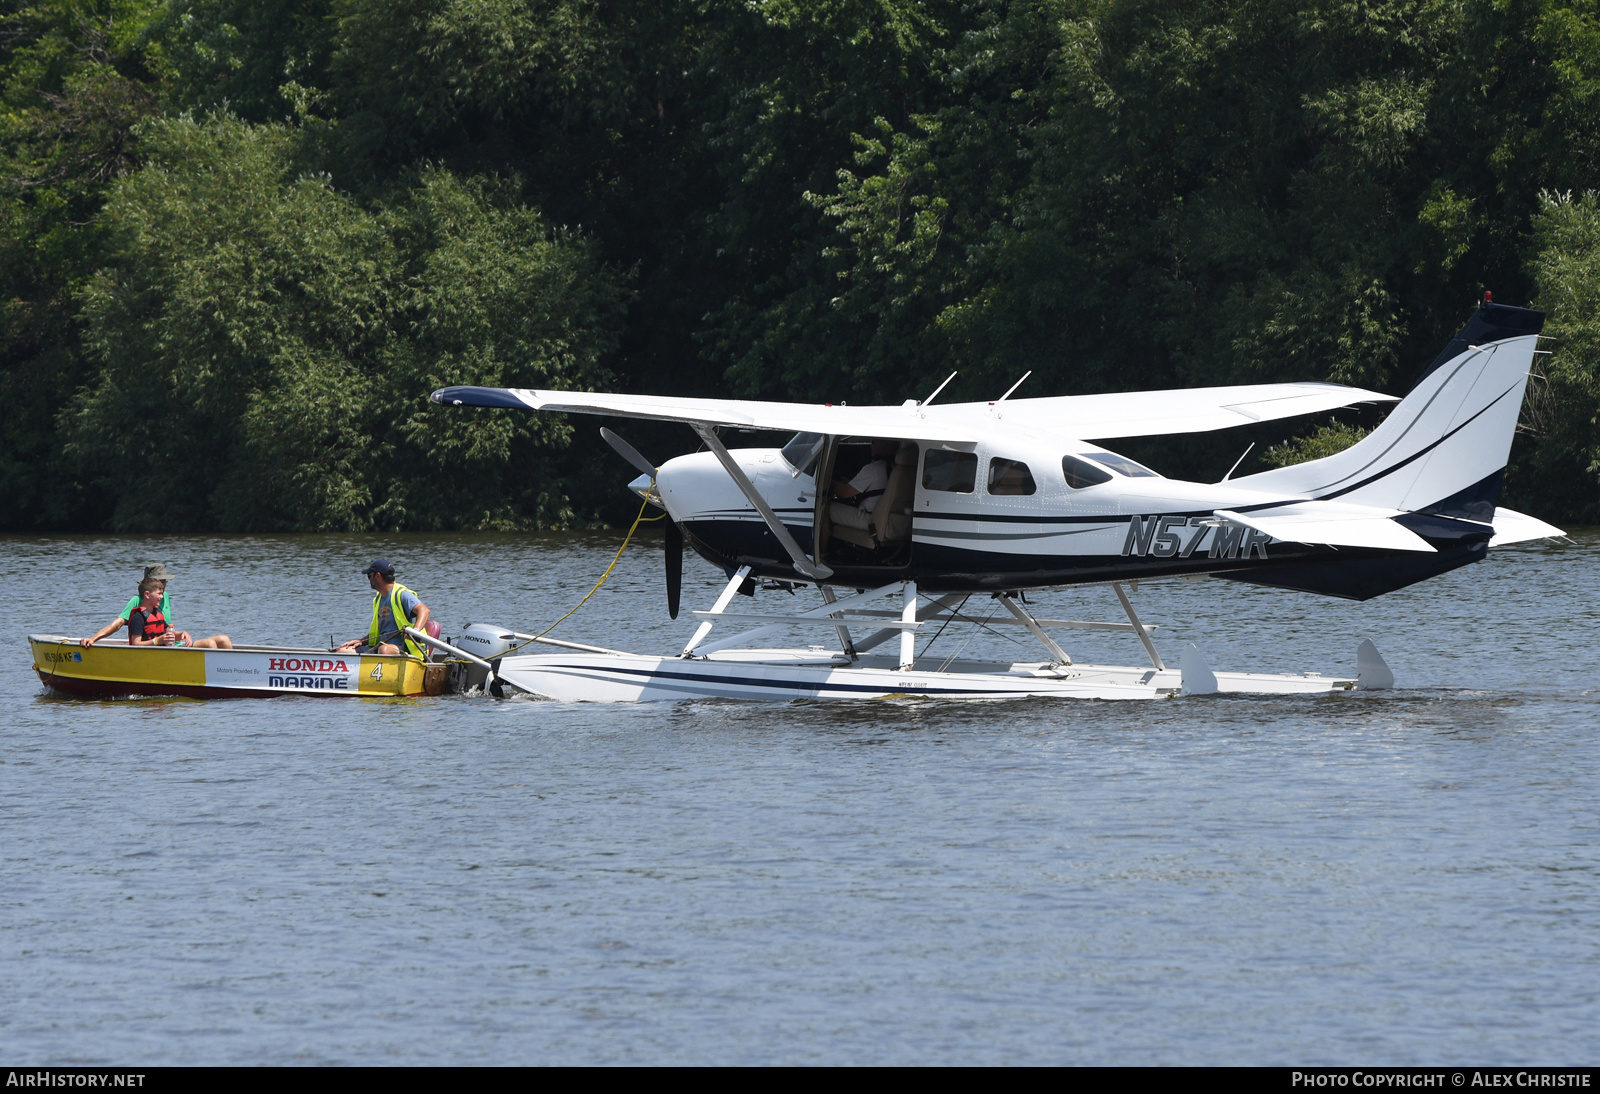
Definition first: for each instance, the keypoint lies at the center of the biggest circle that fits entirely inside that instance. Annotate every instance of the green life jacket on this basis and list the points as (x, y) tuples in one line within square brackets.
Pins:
[(400, 619)]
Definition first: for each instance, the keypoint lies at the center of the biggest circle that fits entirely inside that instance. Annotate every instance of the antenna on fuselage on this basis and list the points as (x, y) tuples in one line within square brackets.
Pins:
[(1238, 461), (1014, 387), (938, 389)]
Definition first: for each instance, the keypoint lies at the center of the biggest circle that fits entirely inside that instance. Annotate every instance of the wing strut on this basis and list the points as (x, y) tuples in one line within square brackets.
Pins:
[(802, 564)]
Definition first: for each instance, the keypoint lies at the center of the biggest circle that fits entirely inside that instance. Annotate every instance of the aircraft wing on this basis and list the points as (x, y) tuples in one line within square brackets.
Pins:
[(1511, 526), (1079, 417), (901, 422), (1150, 413), (1337, 524)]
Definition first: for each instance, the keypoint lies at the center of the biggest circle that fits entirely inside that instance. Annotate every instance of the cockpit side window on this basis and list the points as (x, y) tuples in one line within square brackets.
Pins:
[(1010, 478), (1081, 473), (1121, 464), (802, 452), (953, 472)]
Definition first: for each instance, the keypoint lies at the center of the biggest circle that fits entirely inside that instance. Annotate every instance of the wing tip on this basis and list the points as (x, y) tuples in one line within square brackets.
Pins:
[(467, 395)]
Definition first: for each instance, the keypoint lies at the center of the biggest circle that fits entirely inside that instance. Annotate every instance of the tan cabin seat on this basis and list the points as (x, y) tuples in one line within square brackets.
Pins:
[(891, 517)]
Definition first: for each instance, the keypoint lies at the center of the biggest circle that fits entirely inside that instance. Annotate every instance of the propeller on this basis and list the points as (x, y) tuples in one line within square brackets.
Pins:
[(674, 546), (628, 452), (674, 537)]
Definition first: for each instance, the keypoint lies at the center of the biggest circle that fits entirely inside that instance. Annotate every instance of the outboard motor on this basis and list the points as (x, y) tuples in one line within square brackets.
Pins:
[(485, 640)]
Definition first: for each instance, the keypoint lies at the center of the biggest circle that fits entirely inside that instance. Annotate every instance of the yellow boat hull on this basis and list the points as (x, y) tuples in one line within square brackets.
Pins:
[(115, 668)]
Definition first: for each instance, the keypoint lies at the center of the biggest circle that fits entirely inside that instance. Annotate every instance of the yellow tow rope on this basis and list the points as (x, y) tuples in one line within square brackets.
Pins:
[(640, 519)]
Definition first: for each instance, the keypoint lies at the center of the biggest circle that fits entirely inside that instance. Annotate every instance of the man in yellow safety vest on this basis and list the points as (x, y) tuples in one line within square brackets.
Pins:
[(393, 606)]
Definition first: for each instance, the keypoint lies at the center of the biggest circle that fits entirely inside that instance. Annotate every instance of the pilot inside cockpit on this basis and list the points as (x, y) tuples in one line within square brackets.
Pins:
[(855, 500)]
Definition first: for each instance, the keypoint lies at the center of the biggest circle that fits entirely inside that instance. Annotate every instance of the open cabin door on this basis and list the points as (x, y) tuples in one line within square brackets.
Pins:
[(824, 493), (879, 539)]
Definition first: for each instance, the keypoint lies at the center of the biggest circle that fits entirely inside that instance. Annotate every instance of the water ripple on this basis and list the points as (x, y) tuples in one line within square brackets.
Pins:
[(1409, 877)]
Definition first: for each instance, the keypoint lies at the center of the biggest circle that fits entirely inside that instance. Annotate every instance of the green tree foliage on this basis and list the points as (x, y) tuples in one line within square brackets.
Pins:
[(73, 85), (1561, 466), (264, 60), (1127, 193), (267, 344), (683, 134), (1120, 193), (1323, 441), (829, 199)]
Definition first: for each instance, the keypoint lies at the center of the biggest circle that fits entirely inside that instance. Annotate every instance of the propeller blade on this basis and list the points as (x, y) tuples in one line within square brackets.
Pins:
[(674, 567), (628, 452)]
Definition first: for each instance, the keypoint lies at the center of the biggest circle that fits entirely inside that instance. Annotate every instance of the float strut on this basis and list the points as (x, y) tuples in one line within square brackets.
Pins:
[(719, 607), (1138, 628), (842, 630), (908, 637), (1033, 625)]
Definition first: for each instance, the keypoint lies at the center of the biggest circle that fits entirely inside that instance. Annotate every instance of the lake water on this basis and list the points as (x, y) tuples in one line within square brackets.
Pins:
[(1403, 877)]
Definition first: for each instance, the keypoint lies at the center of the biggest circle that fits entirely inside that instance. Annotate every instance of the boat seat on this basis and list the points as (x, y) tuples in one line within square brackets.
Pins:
[(890, 521)]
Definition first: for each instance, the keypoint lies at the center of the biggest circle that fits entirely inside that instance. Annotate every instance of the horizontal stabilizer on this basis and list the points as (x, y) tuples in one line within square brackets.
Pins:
[(1334, 523), (1511, 526)]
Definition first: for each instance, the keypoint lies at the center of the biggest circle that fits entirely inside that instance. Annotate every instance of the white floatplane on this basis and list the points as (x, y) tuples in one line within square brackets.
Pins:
[(997, 498)]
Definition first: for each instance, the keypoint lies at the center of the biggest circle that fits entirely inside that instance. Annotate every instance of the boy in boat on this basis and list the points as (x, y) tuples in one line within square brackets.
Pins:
[(147, 618), (393, 606), (158, 573)]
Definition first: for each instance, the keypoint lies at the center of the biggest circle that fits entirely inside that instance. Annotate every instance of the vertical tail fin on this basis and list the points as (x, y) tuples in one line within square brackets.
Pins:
[(1444, 447)]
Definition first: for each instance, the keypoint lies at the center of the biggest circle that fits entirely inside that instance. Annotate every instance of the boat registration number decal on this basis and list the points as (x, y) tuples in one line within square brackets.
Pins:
[(286, 673)]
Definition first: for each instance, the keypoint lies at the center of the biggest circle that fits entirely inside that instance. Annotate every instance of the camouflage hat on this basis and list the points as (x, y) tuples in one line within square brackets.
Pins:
[(157, 572)]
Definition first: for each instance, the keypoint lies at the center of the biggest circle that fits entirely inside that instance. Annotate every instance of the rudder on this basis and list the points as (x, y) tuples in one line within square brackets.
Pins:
[(1444, 447)]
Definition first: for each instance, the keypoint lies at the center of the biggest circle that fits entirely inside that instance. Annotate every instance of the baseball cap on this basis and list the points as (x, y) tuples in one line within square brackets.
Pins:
[(380, 566)]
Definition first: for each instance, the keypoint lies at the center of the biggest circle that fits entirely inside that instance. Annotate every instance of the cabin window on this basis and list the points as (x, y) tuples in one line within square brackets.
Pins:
[(1081, 473), (802, 452), (954, 472), (1010, 478), (1121, 464)]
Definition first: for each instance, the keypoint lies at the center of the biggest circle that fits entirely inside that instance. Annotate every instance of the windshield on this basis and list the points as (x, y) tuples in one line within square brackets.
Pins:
[(802, 452), (1081, 473), (1121, 464)]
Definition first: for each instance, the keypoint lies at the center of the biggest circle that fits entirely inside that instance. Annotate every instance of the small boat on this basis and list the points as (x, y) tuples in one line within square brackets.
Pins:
[(115, 668)]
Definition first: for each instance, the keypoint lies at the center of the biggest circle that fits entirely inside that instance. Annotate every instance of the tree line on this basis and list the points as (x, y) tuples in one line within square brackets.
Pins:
[(241, 241)]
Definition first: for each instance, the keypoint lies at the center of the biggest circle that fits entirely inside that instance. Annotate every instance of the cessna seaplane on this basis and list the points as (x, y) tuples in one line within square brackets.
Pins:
[(991, 499)]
